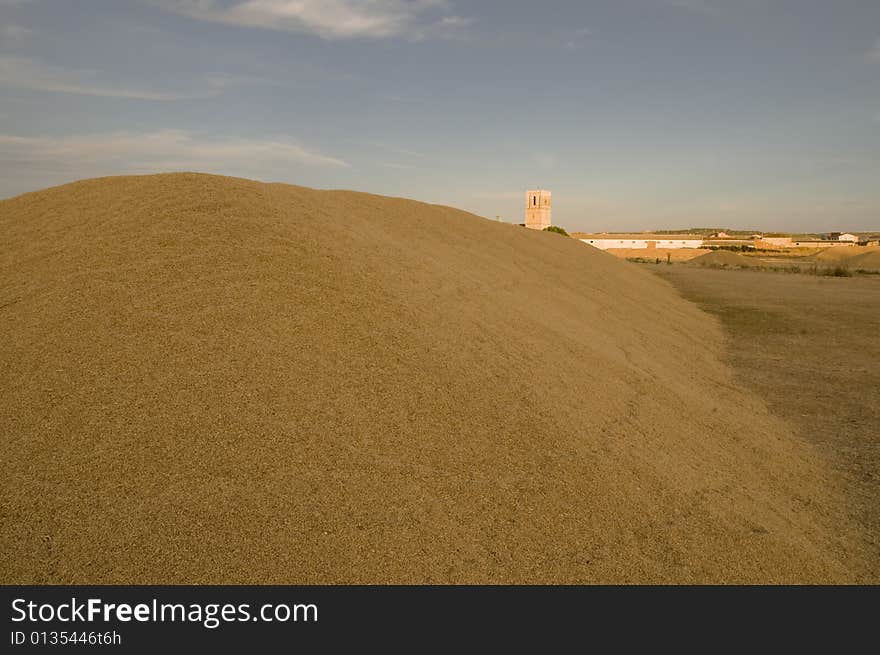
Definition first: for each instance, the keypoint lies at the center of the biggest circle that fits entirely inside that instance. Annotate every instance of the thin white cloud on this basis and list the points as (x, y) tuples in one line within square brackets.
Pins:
[(448, 27), (403, 99), (394, 165), (12, 34), (329, 19), (395, 149), (455, 21), (696, 6), (27, 73), (159, 151), (577, 38)]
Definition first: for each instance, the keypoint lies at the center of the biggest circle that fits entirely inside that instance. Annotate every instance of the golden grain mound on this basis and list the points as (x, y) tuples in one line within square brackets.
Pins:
[(213, 380), (845, 254), (721, 258), (865, 260), (833, 254)]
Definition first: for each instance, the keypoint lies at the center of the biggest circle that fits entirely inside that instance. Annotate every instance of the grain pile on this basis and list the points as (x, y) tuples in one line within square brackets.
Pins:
[(721, 258), (846, 255), (834, 254), (865, 260), (213, 380)]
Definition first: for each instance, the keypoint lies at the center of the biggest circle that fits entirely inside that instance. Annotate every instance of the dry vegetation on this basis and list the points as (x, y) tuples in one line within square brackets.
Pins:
[(865, 259), (832, 260), (652, 254), (211, 380)]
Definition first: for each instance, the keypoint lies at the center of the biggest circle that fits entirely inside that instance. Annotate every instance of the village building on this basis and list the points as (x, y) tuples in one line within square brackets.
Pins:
[(729, 242), (773, 242), (820, 243), (605, 241)]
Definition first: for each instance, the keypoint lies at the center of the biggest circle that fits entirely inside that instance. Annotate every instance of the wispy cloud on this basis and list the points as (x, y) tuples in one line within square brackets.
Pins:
[(455, 21), (578, 37), (12, 34), (696, 6), (329, 19), (158, 151), (397, 150), (27, 73), (394, 165), (410, 100)]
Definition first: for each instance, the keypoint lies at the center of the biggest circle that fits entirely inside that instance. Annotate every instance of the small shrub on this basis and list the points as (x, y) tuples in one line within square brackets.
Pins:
[(837, 271), (735, 248), (557, 230)]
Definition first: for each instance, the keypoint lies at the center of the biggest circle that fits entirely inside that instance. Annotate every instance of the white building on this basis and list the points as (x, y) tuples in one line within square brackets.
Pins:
[(848, 237), (776, 242), (642, 241)]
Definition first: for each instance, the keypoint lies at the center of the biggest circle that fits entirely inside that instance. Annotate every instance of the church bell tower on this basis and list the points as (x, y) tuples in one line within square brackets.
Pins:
[(538, 209)]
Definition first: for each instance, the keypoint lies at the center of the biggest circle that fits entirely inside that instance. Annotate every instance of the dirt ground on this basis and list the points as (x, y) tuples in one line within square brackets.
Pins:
[(853, 258), (809, 346), (675, 254)]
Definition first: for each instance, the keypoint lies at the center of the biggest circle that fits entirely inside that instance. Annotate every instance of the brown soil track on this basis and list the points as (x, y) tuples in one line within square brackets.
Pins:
[(674, 254)]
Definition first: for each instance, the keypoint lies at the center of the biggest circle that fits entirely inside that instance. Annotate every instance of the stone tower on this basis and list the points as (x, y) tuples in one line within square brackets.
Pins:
[(538, 209)]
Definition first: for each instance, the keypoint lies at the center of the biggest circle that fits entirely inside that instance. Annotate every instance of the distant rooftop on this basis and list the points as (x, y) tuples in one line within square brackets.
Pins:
[(642, 236)]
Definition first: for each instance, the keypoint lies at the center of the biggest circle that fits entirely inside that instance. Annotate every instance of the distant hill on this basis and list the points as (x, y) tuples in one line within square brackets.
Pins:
[(706, 231)]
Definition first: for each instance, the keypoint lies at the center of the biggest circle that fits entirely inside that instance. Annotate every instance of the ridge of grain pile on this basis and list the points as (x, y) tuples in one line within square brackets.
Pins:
[(869, 260), (834, 254), (721, 258), (214, 380)]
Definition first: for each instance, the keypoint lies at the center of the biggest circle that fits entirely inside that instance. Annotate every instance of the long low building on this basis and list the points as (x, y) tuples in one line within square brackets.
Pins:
[(792, 242), (607, 241), (648, 240)]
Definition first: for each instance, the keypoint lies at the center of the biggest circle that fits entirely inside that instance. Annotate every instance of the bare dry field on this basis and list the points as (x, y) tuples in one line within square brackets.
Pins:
[(850, 258), (213, 380), (808, 346), (675, 254)]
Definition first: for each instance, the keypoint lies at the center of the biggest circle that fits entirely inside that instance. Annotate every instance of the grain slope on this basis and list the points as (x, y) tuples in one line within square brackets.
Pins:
[(214, 380)]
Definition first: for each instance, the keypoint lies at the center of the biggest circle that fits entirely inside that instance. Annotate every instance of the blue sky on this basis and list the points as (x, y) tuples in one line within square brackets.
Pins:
[(637, 114)]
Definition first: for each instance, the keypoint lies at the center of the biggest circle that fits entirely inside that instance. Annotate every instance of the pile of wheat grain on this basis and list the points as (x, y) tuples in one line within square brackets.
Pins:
[(208, 379)]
